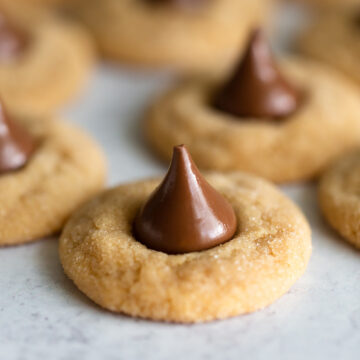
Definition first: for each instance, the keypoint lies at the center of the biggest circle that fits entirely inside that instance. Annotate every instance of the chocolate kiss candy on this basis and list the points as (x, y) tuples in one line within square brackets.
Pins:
[(16, 145), (257, 89), (12, 41), (184, 213)]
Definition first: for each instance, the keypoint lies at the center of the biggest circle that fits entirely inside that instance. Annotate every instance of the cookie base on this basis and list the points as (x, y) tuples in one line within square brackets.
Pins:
[(334, 39), (66, 169), (138, 32), (293, 149), (268, 253), (339, 197)]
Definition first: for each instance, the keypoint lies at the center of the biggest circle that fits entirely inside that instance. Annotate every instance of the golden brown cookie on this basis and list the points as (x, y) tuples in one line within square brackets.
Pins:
[(334, 38), (332, 4), (34, 3), (66, 169), (339, 197), (295, 148), (52, 68), (162, 34), (269, 251)]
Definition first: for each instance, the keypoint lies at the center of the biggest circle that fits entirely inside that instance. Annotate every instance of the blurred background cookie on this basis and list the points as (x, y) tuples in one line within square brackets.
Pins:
[(280, 121), (47, 169), (334, 38), (184, 35), (339, 197), (38, 3), (327, 4), (44, 59)]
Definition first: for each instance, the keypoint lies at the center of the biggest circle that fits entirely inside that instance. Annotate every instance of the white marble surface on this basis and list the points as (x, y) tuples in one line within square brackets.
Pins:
[(43, 315)]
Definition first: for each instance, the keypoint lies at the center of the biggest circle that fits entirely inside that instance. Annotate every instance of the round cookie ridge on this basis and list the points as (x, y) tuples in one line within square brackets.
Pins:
[(53, 67), (326, 5), (163, 35), (269, 252), (296, 148), (66, 168), (334, 38), (339, 197)]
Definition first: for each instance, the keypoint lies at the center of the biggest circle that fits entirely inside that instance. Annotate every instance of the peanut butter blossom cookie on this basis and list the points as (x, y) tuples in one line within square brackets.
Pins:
[(47, 169), (282, 122), (334, 38), (45, 2), (182, 34), (333, 4), (339, 197), (44, 60), (33, 3), (188, 249)]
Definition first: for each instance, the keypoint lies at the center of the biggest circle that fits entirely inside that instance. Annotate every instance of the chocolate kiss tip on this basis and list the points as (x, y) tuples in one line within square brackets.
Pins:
[(257, 89), (16, 145), (184, 213)]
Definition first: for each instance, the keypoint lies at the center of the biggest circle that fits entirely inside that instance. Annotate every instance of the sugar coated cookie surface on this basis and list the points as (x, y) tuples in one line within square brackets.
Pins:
[(295, 148), (66, 169), (339, 197), (268, 253)]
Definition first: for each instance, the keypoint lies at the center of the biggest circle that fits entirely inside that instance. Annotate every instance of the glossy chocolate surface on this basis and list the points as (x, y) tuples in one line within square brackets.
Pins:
[(257, 88), (16, 145), (12, 41), (184, 213)]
